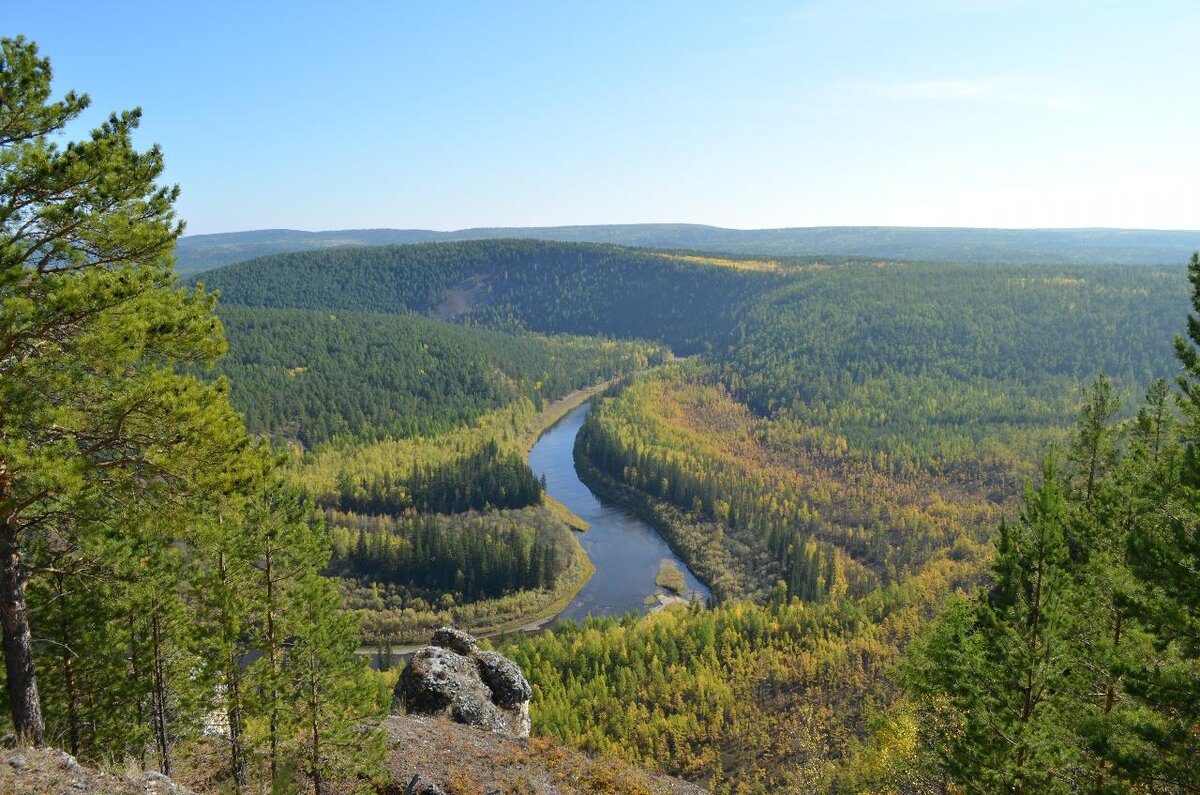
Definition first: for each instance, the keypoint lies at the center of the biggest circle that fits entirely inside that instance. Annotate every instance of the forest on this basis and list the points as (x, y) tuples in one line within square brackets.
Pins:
[(308, 377), (947, 512), (982, 246), (837, 458), (512, 285)]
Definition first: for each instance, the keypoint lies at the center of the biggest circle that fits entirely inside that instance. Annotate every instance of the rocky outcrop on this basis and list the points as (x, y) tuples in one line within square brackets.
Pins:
[(447, 757), (452, 678), (48, 770)]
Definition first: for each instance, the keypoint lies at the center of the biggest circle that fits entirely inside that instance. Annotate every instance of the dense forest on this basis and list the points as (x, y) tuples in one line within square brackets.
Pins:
[(405, 576), (937, 365), (514, 285), (309, 377), (948, 513), (477, 555)]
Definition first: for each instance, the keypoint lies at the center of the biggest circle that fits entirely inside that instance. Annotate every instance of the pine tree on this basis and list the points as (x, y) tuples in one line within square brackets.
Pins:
[(1093, 453), (332, 692), (1164, 555), (997, 671), (94, 419)]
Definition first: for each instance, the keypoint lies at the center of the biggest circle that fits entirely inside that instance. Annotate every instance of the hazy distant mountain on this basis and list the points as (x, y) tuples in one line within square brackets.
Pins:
[(1033, 246)]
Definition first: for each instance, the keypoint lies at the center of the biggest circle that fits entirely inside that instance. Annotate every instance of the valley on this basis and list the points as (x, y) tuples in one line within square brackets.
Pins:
[(638, 508), (831, 461)]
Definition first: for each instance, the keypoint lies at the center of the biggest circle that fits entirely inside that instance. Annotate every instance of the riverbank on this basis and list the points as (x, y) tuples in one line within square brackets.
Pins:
[(657, 515), (549, 416), (627, 552), (617, 562), (571, 583)]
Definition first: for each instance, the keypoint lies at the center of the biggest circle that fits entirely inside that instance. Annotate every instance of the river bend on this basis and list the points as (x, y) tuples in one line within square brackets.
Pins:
[(625, 550)]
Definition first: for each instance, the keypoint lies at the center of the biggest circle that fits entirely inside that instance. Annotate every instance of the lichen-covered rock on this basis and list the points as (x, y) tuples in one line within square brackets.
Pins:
[(504, 678), (455, 640), (453, 679)]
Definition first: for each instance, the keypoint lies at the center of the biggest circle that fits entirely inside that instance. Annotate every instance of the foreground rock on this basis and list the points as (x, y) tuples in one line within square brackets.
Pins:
[(452, 678), (47, 770), (448, 757)]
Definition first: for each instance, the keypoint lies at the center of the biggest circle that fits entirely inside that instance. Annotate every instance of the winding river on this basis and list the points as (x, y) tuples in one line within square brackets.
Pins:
[(625, 550)]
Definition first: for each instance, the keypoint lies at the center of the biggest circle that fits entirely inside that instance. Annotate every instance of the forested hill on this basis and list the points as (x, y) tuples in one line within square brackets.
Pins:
[(1032, 246), (514, 285)]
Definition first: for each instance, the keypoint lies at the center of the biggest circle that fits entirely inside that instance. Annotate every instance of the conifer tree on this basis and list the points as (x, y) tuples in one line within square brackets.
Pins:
[(94, 419), (331, 690), (1164, 555), (999, 667)]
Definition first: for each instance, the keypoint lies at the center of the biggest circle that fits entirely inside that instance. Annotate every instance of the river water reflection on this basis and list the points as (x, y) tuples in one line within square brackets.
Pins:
[(625, 550)]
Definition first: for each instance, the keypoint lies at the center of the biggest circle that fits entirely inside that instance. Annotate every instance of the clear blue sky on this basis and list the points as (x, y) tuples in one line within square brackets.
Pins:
[(747, 114)]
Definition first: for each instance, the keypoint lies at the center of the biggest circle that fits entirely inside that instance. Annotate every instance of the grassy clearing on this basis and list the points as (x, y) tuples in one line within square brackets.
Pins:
[(670, 577)]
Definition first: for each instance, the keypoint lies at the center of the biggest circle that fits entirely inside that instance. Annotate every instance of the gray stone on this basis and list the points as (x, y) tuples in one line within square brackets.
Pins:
[(18, 762), (453, 679), (455, 640), (504, 678)]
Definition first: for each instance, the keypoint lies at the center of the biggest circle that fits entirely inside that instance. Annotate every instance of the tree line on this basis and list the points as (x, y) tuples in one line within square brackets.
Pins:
[(473, 556), (308, 377)]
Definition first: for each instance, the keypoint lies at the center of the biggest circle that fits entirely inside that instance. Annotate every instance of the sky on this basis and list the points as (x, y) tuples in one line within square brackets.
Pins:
[(446, 115)]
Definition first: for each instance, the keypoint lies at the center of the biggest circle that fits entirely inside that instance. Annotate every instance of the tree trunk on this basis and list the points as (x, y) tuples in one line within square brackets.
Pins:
[(135, 675), (233, 699), (273, 658), (68, 663), (159, 701), (18, 642), (314, 713), (234, 714)]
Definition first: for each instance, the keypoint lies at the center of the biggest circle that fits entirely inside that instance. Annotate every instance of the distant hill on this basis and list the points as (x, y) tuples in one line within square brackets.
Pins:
[(1021, 246), (512, 285)]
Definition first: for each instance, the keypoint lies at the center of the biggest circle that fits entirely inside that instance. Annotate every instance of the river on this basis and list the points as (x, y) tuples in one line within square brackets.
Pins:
[(625, 550)]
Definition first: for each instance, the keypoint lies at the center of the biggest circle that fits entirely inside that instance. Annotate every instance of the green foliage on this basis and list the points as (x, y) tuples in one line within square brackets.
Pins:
[(670, 577), (983, 246), (136, 513), (469, 467), (741, 698), (751, 501), (97, 429), (521, 285), (331, 690), (1002, 665), (311, 376), (472, 556), (1079, 668), (962, 369)]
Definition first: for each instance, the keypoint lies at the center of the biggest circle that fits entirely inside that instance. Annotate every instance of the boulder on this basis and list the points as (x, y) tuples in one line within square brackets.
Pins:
[(452, 678), (455, 640), (504, 678)]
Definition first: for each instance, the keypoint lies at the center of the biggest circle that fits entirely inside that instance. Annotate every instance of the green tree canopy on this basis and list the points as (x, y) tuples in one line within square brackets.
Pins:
[(97, 428)]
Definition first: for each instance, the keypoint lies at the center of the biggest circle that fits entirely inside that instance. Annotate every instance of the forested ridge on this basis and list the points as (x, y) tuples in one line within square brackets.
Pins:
[(984, 246), (948, 512), (309, 376), (527, 285)]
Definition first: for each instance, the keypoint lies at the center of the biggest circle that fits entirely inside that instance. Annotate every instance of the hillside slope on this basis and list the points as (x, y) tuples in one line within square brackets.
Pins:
[(521, 285), (463, 760), (1032, 246)]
